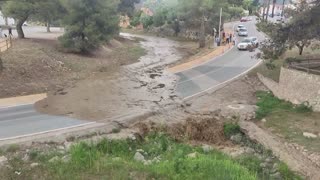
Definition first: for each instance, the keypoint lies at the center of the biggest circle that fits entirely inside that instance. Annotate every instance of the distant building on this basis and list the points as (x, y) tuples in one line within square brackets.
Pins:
[(124, 21), (147, 11)]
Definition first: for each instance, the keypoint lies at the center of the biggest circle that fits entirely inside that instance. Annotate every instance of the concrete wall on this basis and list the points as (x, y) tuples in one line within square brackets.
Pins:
[(296, 86)]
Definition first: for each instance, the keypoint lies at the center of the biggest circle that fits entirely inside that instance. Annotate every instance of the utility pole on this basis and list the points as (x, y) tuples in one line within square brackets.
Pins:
[(282, 12), (202, 39), (220, 24)]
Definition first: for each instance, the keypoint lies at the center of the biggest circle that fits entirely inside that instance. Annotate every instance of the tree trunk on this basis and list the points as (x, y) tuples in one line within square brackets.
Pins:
[(1, 65), (282, 12), (268, 8), (19, 27), (301, 49), (273, 6), (202, 38), (6, 21), (264, 10), (48, 26)]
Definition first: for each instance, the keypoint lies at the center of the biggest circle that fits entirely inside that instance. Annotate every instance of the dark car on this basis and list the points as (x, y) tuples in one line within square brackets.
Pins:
[(243, 19)]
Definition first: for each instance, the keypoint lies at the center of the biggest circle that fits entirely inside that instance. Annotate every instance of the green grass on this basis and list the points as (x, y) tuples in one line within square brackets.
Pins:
[(113, 159), (98, 162), (287, 173), (269, 104), (13, 148), (230, 129)]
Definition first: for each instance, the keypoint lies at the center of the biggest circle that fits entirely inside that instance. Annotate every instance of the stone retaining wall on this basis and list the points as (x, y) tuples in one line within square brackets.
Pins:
[(296, 86)]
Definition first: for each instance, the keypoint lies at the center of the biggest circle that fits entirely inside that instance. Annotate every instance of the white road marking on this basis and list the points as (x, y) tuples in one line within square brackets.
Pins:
[(18, 105), (45, 132), (245, 72)]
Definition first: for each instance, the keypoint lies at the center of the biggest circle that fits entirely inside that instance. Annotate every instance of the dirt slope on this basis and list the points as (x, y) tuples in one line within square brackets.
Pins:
[(36, 66)]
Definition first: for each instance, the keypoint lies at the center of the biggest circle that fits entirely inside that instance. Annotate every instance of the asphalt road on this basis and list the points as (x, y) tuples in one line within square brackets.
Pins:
[(220, 70), (23, 120)]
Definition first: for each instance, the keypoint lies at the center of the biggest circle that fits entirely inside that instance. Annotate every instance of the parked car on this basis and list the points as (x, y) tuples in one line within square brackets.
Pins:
[(243, 32), (255, 41), (245, 44), (240, 27), (243, 19)]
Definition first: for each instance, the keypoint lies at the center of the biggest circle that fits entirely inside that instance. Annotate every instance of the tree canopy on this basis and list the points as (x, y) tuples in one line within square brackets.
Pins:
[(48, 11), (127, 7), (88, 24), (300, 31), (19, 10)]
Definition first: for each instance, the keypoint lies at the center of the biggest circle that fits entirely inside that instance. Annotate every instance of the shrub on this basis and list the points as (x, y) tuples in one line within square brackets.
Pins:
[(136, 19), (287, 173), (146, 20), (303, 108), (230, 129), (13, 148)]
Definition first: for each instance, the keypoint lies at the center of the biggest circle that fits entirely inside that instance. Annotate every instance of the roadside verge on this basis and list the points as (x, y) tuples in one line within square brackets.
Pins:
[(21, 100)]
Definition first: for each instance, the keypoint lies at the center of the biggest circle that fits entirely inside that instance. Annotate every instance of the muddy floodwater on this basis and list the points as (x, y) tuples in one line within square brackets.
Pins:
[(135, 89)]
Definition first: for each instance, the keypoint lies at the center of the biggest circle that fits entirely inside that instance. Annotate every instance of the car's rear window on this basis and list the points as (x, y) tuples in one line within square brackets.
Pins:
[(243, 30), (246, 40)]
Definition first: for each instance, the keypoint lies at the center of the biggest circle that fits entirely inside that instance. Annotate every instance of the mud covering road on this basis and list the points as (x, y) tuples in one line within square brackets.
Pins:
[(137, 89)]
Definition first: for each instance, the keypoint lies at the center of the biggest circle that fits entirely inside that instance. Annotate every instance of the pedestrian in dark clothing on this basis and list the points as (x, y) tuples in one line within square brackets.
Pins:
[(230, 37), (223, 35), (218, 41), (228, 41), (10, 31)]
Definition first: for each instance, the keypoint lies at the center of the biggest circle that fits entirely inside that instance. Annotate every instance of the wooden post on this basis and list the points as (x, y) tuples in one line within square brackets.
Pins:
[(1, 64)]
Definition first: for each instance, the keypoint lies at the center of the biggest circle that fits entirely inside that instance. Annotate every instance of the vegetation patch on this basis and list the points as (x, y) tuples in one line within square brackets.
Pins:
[(289, 121), (269, 104), (157, 156), (230, 129)]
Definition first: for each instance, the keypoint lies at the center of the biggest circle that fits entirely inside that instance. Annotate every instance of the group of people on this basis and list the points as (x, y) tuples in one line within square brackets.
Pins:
[(9, 32), (226, 38)]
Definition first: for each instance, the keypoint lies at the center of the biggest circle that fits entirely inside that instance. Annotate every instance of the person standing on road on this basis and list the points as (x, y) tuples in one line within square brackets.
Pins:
[(10, 32), (230, 37), (218, 41), (0, 32), (227, 39)]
